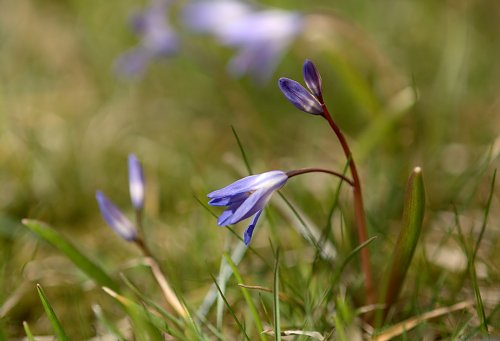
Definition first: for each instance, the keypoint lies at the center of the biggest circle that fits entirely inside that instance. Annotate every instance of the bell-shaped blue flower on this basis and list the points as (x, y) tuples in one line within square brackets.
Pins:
[(136, 182), (299, 96), (312, 78), (247, 197), (115, 218)]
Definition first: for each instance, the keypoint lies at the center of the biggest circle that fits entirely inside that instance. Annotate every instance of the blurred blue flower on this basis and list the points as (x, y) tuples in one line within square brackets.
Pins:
[(247, 197), (299, 96), (115, 218), (136, 182), (157, 39), (261, 36)]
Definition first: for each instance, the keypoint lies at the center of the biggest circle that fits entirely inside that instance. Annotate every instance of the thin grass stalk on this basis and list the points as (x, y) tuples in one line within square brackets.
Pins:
[(54, 321), (276, 299), (248, 298), (27, 330), (472, 258), (231, 311)]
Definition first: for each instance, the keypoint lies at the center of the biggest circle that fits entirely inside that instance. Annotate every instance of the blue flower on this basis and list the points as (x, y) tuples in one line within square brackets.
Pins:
[(261, 37), (299, 96), (313, 78), (247, 197), (157, 39), (136, 182), (309, 102), (115, 218)]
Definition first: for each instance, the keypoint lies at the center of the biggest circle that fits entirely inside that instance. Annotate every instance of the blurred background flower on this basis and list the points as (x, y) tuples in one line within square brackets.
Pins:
[(157, 39), (261, 36)]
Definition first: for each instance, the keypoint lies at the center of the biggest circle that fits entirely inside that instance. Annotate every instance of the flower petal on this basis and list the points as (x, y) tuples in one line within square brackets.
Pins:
[(312, 78), (299, 96), (248, 184), (115, 218), (249, 231), (255, 202), (224, 218), (136, 181), (229, 200)]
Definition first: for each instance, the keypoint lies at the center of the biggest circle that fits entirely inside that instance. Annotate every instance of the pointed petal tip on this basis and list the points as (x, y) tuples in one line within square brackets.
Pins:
[(312, 78)]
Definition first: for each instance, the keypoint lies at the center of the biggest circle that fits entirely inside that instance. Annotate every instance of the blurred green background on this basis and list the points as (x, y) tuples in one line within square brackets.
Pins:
[(410, 82)]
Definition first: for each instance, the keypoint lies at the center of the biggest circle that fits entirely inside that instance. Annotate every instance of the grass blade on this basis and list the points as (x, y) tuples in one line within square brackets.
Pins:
[(147, 326), (413, 214), (53, 237), (406, 325), (276, 300), (248, 298), (110, 327), (231, 311), (472, 259), (54, 321), (27, 330), (242, 150)]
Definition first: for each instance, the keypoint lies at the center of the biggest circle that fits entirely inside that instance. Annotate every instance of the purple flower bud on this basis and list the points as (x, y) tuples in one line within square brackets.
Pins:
[(299, 96), (136, 182), (115, 218), (312, 78)]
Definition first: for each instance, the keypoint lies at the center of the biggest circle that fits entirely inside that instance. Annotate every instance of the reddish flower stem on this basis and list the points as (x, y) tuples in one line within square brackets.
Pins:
[(300, 171), (359, 212)]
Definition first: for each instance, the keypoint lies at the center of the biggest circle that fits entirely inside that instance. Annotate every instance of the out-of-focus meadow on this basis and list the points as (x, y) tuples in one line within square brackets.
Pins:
[(411, 83)]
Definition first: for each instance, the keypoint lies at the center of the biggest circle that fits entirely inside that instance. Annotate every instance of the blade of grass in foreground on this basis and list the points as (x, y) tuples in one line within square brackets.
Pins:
[(231, 311), (248, 298), (108, 325), (147, 326), (27, 330), (54, 321), (413, 214), (472, 259), (51, 236), (276, 299)]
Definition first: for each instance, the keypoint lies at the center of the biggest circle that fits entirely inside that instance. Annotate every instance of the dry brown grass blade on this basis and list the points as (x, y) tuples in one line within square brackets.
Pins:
[(411, 323), (169, 294), (281, 295)]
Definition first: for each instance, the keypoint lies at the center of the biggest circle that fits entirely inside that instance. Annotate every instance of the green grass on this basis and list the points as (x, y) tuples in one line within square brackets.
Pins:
[(411, 83)]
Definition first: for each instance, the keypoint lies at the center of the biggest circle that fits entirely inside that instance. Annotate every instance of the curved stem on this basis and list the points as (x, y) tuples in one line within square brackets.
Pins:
[(161, 279), (299, 171), (359, 212)]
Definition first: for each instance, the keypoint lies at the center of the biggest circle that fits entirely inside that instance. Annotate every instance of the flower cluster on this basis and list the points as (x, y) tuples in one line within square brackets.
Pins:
[(248, 196)]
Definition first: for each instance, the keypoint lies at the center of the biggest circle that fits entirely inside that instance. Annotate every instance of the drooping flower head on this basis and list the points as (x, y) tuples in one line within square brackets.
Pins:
[(115, 218), (247, 197), (157, 39), (261, 36), (309, 102), (136, 182)]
